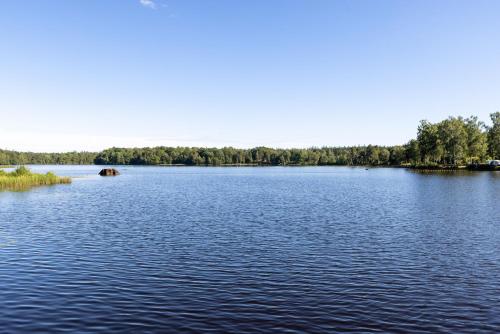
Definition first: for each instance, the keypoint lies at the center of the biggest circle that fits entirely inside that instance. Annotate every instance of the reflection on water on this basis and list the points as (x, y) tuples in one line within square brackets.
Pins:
[(252, 250)]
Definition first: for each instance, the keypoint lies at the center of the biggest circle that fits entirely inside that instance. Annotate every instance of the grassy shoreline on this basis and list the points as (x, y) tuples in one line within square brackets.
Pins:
[(22, 178)]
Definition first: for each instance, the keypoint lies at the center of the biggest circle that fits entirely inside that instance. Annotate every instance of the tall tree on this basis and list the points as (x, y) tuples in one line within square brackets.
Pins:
[(412, 151), (454, 138), (429, 142), (494, 136), (476, 139)]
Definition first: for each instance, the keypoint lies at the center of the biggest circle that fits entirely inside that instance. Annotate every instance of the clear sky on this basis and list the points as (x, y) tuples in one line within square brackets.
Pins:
[(91, 74)]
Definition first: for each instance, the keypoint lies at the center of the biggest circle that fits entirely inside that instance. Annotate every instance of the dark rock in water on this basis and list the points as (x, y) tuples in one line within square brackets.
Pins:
[(109, 172)]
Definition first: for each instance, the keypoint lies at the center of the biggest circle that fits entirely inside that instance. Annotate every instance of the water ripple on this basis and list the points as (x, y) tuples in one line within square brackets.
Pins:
[(252, 250)]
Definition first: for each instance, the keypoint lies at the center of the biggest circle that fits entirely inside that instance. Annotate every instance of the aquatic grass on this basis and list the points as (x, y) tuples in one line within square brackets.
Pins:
[(22, 178)]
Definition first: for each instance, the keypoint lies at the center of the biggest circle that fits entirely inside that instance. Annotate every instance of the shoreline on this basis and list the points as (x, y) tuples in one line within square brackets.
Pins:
[(471, 167)]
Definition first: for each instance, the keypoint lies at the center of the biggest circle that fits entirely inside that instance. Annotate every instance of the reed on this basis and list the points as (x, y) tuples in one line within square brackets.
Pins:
[(22, 178)]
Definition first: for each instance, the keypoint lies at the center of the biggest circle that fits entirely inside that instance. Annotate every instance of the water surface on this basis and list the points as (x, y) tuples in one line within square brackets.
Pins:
[(252, 250)]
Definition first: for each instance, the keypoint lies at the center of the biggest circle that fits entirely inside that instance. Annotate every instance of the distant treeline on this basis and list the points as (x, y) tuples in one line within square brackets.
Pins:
[(453, 141), (23, 158)]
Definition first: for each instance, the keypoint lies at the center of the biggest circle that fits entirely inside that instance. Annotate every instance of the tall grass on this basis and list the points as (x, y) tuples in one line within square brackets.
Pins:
[(22, 178)]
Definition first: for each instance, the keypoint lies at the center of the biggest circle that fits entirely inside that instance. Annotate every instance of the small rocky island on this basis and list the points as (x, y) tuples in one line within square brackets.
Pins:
[(109, 172)]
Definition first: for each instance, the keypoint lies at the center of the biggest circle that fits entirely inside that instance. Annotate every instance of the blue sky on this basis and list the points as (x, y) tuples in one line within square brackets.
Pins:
[(90, 74)]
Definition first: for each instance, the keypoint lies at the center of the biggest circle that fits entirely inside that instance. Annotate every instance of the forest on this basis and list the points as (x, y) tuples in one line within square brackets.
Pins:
[(453, 141)]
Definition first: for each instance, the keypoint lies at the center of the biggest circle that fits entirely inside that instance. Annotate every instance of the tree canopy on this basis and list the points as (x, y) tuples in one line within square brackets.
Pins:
[(453, 141)]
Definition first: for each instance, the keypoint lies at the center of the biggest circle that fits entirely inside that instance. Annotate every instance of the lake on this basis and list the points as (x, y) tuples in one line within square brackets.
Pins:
[(252, 250)]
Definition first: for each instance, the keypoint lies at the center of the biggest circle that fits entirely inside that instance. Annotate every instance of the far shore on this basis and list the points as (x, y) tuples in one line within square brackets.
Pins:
[(469, 167)]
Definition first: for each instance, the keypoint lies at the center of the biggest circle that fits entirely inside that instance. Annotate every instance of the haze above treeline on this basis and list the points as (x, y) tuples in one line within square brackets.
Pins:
[(453, 141)]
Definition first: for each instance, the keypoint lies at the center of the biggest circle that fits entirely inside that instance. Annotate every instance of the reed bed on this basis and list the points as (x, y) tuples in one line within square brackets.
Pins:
[(22, 178)]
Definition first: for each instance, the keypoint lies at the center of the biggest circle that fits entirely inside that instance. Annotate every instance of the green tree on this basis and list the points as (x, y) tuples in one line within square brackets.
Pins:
[(477, 145), (429, 142), (412, 151), (494, 136), (453, 135)]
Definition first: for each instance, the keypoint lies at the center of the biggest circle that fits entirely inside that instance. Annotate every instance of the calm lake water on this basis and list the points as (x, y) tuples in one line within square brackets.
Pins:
[(252, 250)]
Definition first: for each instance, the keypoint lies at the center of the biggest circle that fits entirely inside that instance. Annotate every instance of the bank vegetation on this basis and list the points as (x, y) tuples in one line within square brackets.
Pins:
[(454, 141), (22, 178)]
